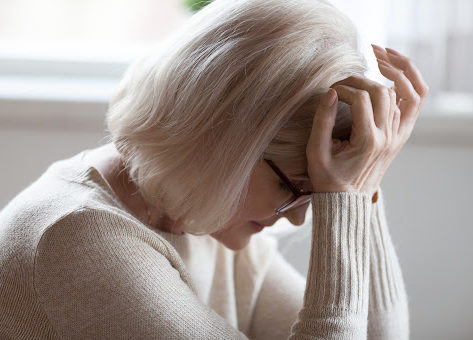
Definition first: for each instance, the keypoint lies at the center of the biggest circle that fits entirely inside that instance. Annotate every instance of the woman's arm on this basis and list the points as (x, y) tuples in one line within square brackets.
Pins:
[(336, 295), (388, 315), (333, 302), (282, 292), (99, 276)]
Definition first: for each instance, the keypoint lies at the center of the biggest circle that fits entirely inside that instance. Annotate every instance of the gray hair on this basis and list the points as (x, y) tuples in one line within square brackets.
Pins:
[(238, 82)]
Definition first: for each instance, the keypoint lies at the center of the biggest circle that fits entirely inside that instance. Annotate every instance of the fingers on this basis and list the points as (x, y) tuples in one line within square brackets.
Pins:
[(363, 125), (410, 98), (410, 70), (405, 65), (385, 58), (409, 83), (320, 140), (392, 108), (396, 120), (381, 54), (380, 98)]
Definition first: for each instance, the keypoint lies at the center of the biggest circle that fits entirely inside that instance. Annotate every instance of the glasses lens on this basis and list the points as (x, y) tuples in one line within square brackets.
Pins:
[(292, 204)]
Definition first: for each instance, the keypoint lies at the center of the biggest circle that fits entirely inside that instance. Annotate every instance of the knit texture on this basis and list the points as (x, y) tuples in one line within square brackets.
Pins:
[(76, 264)]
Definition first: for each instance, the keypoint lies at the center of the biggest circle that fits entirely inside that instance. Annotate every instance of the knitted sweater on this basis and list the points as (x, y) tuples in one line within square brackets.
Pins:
[(75, 264)]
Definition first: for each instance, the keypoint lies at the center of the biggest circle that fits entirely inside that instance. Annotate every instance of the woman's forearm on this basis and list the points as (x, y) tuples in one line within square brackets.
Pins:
[(337, 287), (388, 316)]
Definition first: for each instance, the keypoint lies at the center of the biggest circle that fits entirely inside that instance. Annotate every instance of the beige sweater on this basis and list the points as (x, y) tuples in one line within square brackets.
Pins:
[(74, 264)]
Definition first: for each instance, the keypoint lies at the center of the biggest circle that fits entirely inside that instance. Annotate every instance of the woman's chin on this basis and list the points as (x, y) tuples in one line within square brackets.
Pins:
[(236, 245), (237, 236)]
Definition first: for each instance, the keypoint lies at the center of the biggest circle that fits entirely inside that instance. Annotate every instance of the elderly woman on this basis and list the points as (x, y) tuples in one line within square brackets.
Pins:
[(240, 119)]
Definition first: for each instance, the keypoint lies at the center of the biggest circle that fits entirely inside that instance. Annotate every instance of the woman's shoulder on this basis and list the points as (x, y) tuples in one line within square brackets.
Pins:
[(88, 227), (69, 199), (100, 224), (77, 249), (65, 186), (105, 237)]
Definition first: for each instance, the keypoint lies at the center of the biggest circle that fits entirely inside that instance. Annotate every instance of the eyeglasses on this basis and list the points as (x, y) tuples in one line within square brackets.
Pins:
[(300, 197)]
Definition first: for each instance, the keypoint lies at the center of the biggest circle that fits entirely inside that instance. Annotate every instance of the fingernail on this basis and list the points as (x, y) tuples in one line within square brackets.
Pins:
[(328, 99), (393, 56), (393, 52), (383, 62), (377, 47)]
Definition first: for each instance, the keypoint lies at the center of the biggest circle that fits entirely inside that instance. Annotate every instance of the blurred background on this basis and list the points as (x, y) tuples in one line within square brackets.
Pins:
[(60, 61)]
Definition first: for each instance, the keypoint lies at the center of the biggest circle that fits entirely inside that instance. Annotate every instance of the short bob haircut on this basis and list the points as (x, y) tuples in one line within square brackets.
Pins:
[(237, 83)]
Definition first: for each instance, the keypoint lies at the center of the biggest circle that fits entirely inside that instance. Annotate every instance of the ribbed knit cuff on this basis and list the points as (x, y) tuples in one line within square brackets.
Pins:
[(338, 276), (387, 285)]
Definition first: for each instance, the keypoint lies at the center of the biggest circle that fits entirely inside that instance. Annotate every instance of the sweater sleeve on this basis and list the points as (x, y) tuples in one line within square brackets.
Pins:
[(281, 295), (388, 315), (97, 276), (336, 296)]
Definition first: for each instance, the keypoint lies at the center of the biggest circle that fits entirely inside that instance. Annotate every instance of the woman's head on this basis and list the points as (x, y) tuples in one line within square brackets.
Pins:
[(238, 83)]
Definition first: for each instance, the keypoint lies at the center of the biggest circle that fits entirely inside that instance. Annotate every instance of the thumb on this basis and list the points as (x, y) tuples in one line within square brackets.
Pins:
[(324, 121)]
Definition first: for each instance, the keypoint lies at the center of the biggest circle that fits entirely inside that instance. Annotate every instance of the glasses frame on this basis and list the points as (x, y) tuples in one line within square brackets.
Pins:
[(298, 192)]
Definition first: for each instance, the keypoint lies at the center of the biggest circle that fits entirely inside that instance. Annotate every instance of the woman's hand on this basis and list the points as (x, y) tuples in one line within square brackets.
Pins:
[(383, 119)]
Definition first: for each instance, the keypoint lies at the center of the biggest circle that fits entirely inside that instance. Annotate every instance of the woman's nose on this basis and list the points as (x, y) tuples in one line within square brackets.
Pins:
[(297, 216)]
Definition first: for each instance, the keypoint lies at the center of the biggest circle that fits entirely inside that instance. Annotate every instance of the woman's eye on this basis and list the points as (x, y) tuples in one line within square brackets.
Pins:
[(284, 187)]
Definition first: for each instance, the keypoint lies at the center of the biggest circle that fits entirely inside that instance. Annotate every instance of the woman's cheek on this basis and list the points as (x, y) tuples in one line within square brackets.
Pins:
[(262, 209)]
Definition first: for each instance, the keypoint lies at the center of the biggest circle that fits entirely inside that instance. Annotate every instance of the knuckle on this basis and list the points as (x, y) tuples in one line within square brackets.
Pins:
[(416, 98), (408, 63), (363, 97), (382, 91), (425, 90)]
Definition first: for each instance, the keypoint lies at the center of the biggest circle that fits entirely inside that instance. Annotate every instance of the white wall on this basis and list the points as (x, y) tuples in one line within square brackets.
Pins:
[(428, 196)]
